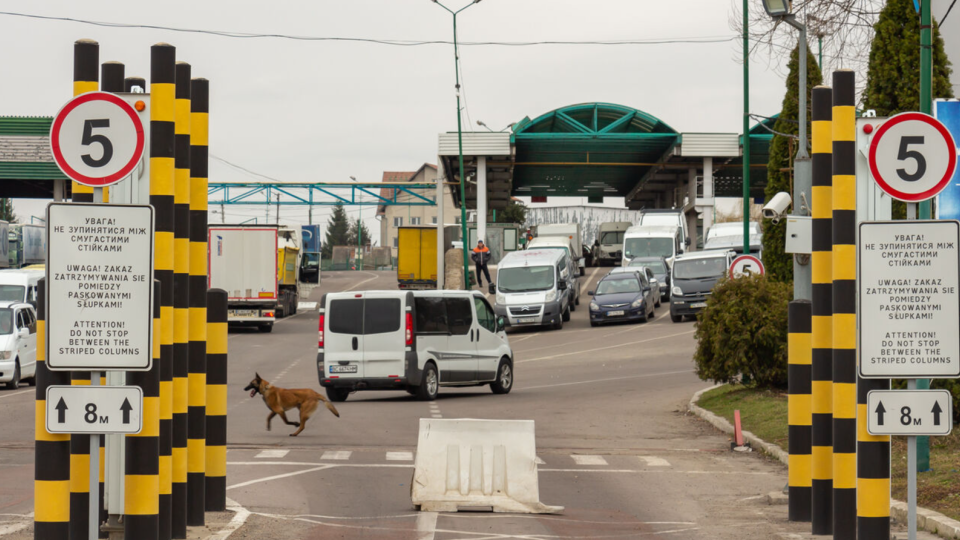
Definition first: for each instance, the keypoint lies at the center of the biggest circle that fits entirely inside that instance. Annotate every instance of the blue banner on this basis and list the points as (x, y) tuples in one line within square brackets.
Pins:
[(948, 202)]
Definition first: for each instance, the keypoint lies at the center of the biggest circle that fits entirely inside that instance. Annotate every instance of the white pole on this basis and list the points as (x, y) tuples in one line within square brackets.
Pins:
[(481, 200), (911, 470), (441, 270)]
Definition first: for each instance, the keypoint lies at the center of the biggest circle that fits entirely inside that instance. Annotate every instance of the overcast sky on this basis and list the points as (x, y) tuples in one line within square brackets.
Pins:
[(324, 111)]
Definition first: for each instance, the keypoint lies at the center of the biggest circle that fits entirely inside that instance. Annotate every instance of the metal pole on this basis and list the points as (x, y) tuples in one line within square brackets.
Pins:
[(926, 75), (820, 51), (746, 128), (911, 470), (93, 507), (802, 51)]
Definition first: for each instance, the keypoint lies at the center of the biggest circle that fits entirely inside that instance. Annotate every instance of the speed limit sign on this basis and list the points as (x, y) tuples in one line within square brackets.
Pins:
[(97, 139), (746, 265), (912, 157)]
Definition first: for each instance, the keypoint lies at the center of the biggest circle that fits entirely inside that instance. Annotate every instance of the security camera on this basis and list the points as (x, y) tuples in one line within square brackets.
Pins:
[(777, 207)]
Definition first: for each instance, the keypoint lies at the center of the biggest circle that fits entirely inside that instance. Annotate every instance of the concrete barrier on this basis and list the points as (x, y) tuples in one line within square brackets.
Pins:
[(470, 464)]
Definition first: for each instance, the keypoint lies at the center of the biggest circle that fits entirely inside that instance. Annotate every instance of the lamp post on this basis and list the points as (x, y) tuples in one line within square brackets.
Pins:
[(359, 227), (463, 190), (746, 128)]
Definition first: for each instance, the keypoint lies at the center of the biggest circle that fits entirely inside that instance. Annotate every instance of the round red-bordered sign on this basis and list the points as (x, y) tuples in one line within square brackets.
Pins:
[(894, 153), (87, 148), (743, 262)]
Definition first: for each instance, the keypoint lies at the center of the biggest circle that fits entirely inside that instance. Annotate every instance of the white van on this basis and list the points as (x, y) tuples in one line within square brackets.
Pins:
[(416, 341), (652, 241), (18, 344), (574, 271), (667, 218), (609, 242), (533, 288), (20, 285)]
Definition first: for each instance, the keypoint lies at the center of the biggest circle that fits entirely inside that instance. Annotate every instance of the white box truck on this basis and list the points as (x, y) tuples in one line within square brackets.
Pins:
[(243, 261), (570, 231), (608, 247)]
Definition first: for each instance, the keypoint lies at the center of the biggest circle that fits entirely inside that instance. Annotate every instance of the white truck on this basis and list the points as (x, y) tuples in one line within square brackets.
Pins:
[(244, 262), (608, 247), (569, 231), (668, 218)]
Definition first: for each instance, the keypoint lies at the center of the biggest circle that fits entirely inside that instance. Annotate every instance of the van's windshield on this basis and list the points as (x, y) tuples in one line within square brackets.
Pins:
[(648, 247), (525, 279), (700, 268), (612, 237), (12, 293), (6, 321)]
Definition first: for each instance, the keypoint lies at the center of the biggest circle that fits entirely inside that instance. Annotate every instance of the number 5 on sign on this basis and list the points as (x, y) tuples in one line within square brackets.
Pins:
[(912, 157)]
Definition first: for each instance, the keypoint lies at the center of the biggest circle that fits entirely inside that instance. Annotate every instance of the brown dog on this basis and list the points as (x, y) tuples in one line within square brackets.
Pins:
[(279, 400)]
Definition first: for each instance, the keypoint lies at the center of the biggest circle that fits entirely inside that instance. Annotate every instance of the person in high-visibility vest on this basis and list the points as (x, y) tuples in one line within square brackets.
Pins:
[(481, 256)]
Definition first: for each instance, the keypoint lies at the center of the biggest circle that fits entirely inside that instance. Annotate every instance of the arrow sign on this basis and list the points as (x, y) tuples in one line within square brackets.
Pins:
[(880, 410), (936, 413), (61, 411), (126, 408)]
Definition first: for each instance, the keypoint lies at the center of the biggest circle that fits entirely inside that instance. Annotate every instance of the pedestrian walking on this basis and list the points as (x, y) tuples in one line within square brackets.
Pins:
[(523, 240), (481, 256)]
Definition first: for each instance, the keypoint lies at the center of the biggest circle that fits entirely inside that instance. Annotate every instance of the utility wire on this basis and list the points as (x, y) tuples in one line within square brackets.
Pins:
[(391, 42)]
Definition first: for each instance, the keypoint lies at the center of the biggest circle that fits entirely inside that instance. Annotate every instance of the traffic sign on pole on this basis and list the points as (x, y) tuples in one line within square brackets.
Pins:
[(97, 139), (94, 409), (909, 309), (99, 287), (912, 157), (746, 265), (909, 412)]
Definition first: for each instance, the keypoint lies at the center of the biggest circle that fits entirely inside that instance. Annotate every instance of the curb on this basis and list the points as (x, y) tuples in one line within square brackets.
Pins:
[(927, 520)]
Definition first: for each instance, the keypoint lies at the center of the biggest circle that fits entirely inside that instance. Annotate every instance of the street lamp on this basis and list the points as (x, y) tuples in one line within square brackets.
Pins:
[(777, 8), (463, 191), (359, 227)]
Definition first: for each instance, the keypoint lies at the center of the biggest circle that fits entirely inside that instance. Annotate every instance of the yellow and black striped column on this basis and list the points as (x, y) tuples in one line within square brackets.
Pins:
[(141, 520), (798, 409), (821, 308), (873, 470), (844, 265), (199, 94), (51, 465), (134, 82), (216, 400), (162, 105), (86, 77), (181, 313)]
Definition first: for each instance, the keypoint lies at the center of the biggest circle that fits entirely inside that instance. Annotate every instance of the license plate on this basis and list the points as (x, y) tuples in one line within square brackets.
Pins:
[(343, 369), (615, 313), (700, 305), (526, 320), (244, 313)]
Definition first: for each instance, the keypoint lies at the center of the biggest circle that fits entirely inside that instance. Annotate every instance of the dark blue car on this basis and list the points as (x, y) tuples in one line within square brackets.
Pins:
[(622, 297)]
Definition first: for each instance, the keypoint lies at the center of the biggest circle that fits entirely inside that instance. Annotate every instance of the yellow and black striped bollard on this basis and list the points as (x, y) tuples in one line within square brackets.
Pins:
[(798, 409), (181, 313), (141, 495), (51, 465), (821, 496), (162, 97), (216, 400)]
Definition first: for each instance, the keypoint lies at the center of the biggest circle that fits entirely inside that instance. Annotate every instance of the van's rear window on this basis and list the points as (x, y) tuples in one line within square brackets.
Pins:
[(431, 315), (346, 316), (381, 315)]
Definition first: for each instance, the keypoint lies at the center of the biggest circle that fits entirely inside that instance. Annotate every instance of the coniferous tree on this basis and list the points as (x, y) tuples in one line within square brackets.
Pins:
[(338, 228), (778, 264), (352, 234), (893, 76), (6, 211)]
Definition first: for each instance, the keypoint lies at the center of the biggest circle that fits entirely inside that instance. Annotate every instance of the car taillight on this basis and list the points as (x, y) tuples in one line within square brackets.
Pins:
[(320, 333), (409, 329)]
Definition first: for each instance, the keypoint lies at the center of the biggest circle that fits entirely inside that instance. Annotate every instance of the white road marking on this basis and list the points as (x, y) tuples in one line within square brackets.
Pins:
[(427, 525), (436, 416), (275, 454), (18, 393), (588, 460), (654, 461), (308, 306), (540, 461), (399, 456), (648, 375), (647, 471), (338, 455), (590, 351), (239, 518), (589, 279), (11, 528), (528, 336), (355, 285), (278, 476), (322, 466)]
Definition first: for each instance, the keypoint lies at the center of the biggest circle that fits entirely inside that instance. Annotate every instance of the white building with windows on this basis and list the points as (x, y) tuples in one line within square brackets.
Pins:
[(394, 216)]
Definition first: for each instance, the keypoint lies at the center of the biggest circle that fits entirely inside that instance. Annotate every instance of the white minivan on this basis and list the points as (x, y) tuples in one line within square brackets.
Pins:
[(652, 241), (18, 343), (534, 287), (20, 285), (416, 341)]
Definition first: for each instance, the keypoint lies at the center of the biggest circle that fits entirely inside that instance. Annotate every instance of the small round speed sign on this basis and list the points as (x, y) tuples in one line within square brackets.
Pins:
[(912, 157), (97, 139), (746, 265)]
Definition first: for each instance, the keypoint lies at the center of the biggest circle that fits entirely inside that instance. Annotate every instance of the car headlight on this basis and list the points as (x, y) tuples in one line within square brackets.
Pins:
[(594, 307), (637, 303), (677, 291), (6, 355), (550, 296), (501, 298)]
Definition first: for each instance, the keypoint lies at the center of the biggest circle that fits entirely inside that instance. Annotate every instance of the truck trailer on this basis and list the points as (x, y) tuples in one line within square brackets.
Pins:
[(27, 245), (244, 261)]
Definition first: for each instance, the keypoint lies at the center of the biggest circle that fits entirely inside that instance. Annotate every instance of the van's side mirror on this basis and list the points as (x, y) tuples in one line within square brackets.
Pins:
[(646, 289), (687, 242), (562, 285), (589, 293), (23, 332), (492, 289)]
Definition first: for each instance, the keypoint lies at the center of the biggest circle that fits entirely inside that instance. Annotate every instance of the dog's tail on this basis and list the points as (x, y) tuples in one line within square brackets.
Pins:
[(329, 406)]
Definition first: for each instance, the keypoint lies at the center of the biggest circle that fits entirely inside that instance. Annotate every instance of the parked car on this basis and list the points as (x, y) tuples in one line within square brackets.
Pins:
[(20, 285), (416, 341), (535, 287), (18, 344), (661, 270), (694, 276), (622, 296), (645, 272)]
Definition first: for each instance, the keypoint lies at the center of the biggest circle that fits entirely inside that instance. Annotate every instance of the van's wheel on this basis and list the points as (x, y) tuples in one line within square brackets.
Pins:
[(429, 384), (504, 380), (15, 381), (573, 306), (337, 394), (266, 328), (676, 318), (577, 301), (558, 325), (566, 315), (412, 390)]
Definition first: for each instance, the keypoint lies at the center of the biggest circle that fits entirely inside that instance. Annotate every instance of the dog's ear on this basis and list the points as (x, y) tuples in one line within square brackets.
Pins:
[(257, 374)]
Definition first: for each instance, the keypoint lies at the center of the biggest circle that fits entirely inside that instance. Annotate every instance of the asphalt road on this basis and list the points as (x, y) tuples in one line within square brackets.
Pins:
[(616, 449)]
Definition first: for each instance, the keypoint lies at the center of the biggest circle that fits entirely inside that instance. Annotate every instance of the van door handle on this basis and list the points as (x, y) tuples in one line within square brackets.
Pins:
[(355, 343)]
